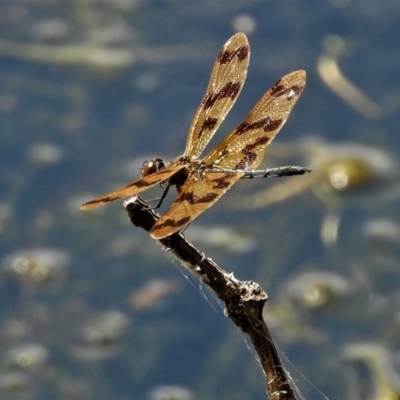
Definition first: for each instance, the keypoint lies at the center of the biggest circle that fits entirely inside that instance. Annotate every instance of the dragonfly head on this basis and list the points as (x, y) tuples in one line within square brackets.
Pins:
[(152, 166)]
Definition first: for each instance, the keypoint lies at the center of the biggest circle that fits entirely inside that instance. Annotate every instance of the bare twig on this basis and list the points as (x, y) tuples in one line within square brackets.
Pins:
[(244, 300)]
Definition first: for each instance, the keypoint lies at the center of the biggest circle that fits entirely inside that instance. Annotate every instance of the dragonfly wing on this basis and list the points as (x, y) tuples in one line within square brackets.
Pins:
[(195, 196), (246, 146), (134, 187), (226, 82)]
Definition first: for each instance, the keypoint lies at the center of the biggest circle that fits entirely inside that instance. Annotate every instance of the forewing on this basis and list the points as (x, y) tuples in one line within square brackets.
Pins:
[(194, 197), (134, 187), (226, 82), (246, 146)]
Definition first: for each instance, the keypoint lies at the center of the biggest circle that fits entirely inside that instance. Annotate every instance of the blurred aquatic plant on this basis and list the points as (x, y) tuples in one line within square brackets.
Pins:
[(341, 174), (29, 356), (17, 385), (97, 56), (382, 231), (45, 153), (337, 170), (317, 289), (170, 392), (36, 266), (153, 293), (231, 239), (331, 74), (105, 328), (384, 376), (307, 292), (101, 336)]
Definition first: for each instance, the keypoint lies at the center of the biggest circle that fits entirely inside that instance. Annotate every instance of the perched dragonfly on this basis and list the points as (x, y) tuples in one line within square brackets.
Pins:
[(201, 182)]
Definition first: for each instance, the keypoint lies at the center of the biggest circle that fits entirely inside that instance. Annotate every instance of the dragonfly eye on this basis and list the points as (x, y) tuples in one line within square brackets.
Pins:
[(152, 166)]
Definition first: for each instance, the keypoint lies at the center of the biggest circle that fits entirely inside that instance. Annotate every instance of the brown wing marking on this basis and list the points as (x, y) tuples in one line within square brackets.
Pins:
[(195, 197), (246, 146), (226, 82), (134, 187)]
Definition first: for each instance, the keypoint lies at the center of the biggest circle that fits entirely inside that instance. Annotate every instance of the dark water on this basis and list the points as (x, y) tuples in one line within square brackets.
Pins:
[(76, 123)]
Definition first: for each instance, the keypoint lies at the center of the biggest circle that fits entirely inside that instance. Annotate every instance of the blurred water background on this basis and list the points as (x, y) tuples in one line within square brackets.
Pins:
[(90, 307)]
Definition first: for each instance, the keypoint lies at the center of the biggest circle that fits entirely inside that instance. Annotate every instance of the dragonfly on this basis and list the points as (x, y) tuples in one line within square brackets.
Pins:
[(202, 181)]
